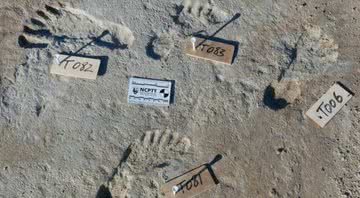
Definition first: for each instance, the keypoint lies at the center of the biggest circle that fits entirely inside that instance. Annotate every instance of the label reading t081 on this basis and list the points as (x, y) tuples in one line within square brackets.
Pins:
[(150, 91), (189, 184)]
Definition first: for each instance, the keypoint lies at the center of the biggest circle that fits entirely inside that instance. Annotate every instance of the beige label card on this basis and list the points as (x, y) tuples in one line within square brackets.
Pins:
[(75, 66), (329, 104), (210, 50), (190, 184)]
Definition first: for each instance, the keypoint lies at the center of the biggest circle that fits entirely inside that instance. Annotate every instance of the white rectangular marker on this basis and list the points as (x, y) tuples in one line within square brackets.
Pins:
[(329, 104), (75, 66), (149, 91)]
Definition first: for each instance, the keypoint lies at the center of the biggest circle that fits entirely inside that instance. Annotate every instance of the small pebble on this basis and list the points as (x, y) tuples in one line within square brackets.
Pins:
[(220, 78)]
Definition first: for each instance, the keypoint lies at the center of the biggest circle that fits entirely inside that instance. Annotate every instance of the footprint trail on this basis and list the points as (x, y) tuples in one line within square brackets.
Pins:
[(150, 162), (60, 22)]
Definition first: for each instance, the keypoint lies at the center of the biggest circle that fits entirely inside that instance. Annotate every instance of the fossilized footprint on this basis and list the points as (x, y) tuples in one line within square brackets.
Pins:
[(61, 23), (315, 53), (138, 175), (204, 10)]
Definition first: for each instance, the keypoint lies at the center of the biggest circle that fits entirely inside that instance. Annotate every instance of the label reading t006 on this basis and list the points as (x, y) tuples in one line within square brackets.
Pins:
[(329, 104), (149, 91)]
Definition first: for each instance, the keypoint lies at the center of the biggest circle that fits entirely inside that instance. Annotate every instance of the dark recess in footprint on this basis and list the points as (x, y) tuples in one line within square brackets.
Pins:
[(38, 110), (178, 10), (41, 32), (150, 50), (42, 14), (292, 54), (103, 192), (280, 150), (24, 43), (270, 101), (53, 10), (37, 22), (162, 165), (275, 192)]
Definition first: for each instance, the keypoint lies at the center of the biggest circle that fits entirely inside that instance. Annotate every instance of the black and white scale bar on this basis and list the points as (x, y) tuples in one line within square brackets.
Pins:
[(148, 99), (154, 85)]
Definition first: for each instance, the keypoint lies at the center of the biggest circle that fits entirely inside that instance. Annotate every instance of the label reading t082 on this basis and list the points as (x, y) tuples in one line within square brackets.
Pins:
[(75, 66), (150, 91)]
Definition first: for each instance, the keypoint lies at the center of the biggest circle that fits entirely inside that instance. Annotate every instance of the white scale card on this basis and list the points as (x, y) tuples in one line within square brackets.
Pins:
[(150, 91)]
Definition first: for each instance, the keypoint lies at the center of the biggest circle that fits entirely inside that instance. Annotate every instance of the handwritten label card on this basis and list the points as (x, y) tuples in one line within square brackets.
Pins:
[(329, 104), (190, 184), (75, 66), (149, 91), (211, 50)]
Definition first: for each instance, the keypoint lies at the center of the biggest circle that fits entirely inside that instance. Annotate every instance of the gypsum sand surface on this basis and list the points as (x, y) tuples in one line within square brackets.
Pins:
[(65, 137)]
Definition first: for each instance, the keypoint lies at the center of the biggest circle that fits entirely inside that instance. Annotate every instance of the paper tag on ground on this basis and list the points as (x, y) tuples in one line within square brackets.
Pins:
[(211, 50), (75, 66), (190, 184), (329, 104), (149, 91)]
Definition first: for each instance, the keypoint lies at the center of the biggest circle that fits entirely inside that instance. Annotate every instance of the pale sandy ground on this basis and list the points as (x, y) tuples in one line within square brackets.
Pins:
[(65, 137)]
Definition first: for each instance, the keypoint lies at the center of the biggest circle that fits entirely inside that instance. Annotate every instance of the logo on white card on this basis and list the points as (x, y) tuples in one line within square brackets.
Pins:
[(136, 91), (145, 91), (164, 93)]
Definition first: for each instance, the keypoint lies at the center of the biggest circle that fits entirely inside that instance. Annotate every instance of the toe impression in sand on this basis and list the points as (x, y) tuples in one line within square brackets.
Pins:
[(329, 104), (193, 182)]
